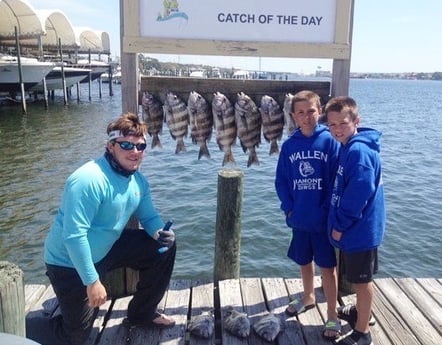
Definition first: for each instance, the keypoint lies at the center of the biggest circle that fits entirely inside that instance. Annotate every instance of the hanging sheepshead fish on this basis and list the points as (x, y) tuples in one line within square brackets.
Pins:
[(248, 124), (201, 122), (153, 115), (289, 123), (272, 122), (224, 121), (177, 119)]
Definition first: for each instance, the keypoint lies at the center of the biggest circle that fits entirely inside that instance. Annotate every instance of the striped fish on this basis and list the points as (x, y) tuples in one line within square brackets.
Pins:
[(177, 119), (224, 121), (248, 124), (268, 327), (202, 325), (272, 122), (153, 115), (289, 123), (237, 323), (201, 122)]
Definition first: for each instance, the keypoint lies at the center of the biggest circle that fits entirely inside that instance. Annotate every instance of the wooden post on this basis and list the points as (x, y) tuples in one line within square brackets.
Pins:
[(20, 72), (228, 225), (111, 92), (12, 299), (63, 78)]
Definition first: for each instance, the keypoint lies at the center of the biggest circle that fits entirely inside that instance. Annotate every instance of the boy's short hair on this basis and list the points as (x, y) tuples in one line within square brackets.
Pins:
[(343, 104), (306, 95)]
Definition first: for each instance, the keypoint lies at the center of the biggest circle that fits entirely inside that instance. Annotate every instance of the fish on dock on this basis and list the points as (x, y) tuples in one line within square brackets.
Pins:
[(268, 327), (201, 122), (248, 124), (289, 124), (272, 122), (153, 115), (202, 325), (224, 123), (237, 323), (177, 119)]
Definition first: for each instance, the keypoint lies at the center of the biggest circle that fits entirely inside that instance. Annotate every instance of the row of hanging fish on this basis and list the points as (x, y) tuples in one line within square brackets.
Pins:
[(243, 120), (236, 323)]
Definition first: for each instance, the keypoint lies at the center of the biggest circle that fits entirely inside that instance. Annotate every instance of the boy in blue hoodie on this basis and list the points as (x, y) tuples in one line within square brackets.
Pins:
[(357, 211), (304, 177)]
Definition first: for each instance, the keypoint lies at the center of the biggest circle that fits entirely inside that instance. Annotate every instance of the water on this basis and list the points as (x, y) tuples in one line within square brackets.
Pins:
[(39, 150)]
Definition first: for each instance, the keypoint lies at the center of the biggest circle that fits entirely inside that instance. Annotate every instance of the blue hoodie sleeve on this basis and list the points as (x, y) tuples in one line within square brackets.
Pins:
[(282, 183), (359, 188)]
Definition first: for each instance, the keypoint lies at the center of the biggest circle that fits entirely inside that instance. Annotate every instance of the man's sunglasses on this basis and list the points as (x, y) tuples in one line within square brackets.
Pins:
[(128, 146)]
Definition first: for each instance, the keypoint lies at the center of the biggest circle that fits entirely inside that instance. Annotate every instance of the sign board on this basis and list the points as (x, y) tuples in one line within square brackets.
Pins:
[(277, 28), (245, 20)]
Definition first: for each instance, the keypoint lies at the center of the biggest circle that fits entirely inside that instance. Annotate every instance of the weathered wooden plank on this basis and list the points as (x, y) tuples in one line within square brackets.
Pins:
[(114, 332), (311, 321), (423, 301), (404, 309), (177, 306), (230, 295), (45, 306), (277, 299), (419, 325), (433, 287), (202, 300), (389, 317), (254, 305), (33, 293)]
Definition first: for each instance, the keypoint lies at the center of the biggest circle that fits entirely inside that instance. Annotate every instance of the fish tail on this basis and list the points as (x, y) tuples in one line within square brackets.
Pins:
[(253, 158), (180, 147), (274, 147), (204, 151), (156, 141), (228, 158)]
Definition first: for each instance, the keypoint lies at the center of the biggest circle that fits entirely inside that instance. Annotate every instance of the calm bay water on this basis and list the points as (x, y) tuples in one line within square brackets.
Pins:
[(39, 150)]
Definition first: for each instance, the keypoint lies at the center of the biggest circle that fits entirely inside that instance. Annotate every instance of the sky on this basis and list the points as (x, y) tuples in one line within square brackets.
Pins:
[(388, 37)]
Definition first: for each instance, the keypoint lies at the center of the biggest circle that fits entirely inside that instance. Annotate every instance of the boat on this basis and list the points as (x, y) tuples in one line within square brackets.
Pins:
[(241, 74), (97, 68), (33, 72), (198, 73), (54, 79), (116, 76)]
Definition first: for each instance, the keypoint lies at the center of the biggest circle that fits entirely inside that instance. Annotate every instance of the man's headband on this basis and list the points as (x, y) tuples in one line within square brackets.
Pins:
[(118, 134)]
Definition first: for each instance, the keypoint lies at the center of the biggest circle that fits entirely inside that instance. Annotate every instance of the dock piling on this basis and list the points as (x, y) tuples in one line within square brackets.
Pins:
[(228, 225), (12, 299)]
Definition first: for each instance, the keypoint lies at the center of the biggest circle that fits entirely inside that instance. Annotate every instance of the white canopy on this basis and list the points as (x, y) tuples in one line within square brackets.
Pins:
[(43, 29)]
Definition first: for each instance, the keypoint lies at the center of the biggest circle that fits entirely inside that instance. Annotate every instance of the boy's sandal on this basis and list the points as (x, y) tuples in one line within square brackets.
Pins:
[(332, 326), (297, 307), (349, 313)]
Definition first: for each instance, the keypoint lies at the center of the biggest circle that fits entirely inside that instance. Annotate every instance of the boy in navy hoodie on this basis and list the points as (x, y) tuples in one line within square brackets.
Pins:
[(357, 211), (304, 177)]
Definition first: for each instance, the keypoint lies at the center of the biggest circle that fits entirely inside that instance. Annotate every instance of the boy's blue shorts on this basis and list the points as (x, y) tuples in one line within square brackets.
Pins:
[(306, 247)]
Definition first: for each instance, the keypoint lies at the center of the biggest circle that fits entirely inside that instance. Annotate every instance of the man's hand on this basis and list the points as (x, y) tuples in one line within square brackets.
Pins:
[(166, 238), (96, 294)]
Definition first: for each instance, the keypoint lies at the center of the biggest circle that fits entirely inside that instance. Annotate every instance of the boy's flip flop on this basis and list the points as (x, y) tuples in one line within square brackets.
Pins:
[(297, 307), (333, 326)]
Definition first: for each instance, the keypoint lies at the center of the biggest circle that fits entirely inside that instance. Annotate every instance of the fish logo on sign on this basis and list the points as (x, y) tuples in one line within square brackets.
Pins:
[(171, 11)]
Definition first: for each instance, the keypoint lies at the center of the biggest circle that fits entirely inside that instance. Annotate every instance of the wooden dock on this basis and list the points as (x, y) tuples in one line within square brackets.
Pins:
[(407, 311)]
